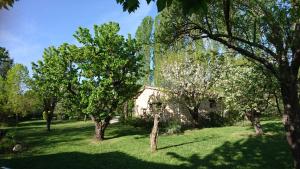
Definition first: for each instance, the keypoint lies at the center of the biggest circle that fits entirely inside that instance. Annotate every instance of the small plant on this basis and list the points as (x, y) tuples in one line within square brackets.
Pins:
[(173, 127), (45, 115), (7, 142)]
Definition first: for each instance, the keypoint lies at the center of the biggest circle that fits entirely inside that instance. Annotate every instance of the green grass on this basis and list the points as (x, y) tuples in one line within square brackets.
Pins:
[(70, 146)]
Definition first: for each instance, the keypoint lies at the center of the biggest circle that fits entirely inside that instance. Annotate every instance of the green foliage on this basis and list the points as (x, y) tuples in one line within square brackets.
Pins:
[(245, 86), (49, 75), (111, 66), (5, 62), (6, 144), (144, 38), (45, 115), (3, 99), (188, 6), (17, 79), (55, 78), (172, 127), (6, 3)]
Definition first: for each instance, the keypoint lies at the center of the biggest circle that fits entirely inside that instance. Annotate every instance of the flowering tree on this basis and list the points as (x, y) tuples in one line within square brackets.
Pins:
[(190, 80), (246, 89)]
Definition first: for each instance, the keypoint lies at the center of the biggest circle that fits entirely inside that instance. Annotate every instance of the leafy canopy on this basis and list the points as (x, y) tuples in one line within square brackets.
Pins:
[(111, 65)]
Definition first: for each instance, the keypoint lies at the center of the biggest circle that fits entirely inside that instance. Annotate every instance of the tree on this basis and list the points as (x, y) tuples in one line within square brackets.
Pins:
[(156, 108), (143, 36), (54, 76), (33, 105), (265, 32), (6, 3), (5, 62), (3, 99), (188, 5), (246, 88), (190, 79), (17, 79), (111, 65)]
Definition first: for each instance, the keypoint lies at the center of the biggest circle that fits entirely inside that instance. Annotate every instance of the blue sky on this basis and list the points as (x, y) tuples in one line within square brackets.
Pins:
[(32, 25)]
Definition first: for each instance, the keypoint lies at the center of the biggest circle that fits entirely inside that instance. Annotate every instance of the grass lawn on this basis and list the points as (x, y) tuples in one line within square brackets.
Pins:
[(70, 146)]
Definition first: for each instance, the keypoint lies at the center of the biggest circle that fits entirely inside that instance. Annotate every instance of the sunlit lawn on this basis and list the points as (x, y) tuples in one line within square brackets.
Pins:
[(70, 146)]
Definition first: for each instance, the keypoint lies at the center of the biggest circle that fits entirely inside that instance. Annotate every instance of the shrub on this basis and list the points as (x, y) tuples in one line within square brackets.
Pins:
[(45, 115), (145, 123), (172, 127), (7, 143)]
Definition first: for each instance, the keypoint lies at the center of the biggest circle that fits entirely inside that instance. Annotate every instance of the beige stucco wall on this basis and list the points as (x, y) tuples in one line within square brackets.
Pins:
[(172, 111)]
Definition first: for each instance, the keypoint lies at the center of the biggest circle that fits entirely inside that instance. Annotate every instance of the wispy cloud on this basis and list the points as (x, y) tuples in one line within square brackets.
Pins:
[(28, 29)]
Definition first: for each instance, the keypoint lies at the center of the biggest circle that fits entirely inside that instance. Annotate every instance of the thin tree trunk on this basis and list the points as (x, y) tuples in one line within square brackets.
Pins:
[(277, 103), (50, 116), (17, 118), (257, 127), (291, 116), (48, 123), (154, 134), (49, 106), (125, 111)]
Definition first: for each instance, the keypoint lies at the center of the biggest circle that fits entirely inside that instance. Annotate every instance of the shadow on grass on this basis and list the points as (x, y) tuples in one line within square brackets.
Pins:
[(76, 160), (120, 130), (252, 153), (265, 152), (36, 138), (276, 127), (43, 123)]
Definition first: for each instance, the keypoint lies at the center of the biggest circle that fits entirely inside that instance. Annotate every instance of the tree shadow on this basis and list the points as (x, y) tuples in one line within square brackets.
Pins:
[(120, 130), (196, 140), (266, 152), (252, 153), (36, 139), (263, 152), (74, 160), (274, 127), (40, 123)]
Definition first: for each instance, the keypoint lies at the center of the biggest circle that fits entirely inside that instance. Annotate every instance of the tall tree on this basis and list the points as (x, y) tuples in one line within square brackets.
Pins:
[(5, 62), (53, 75), (3, 99), (17, 79), (266, 32), (111, 65), (143, 36)]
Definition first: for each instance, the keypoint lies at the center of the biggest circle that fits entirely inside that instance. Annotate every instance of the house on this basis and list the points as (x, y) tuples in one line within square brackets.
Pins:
[(172, 109)]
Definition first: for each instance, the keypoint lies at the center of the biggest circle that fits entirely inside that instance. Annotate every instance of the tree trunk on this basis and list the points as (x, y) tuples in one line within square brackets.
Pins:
[(291, 116), (257, 127), (49, 119), (100, 127), (253, 117), (49, 106), (125, 110), (99, 134), (17, 119), (154, 134), (277, 103)]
